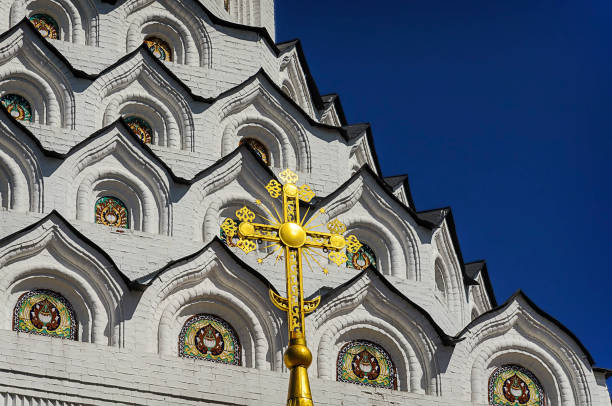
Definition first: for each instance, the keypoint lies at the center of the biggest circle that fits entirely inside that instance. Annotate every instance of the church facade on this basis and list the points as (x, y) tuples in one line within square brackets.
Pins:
[(130, 131)]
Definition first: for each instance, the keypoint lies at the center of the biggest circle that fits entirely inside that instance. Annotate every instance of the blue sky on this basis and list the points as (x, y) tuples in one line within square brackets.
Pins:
[(499, 109)]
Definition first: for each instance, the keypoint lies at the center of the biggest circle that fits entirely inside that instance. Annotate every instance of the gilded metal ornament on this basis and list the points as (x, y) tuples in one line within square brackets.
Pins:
[(353, 244), (294, 240), (306, 194), (274, 188), (229, 227), (338, 258), (336, 227)]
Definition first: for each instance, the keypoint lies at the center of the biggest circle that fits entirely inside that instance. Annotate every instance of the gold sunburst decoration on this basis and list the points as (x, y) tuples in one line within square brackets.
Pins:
[(293, 238)]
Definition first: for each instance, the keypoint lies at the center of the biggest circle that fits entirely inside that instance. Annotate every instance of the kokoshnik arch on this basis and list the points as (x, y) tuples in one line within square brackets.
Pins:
[(132, 133)]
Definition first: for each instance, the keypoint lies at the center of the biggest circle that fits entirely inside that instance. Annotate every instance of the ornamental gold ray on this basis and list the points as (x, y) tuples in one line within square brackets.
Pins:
[(296, 242)]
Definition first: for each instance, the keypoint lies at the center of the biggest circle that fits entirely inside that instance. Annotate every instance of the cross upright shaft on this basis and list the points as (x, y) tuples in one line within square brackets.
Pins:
[(292, 237)]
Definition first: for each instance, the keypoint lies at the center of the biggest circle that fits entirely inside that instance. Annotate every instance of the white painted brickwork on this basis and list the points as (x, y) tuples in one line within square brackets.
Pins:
[(132, 290)]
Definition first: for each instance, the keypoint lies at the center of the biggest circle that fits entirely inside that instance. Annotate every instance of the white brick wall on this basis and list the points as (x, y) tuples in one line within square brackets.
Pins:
[(130, 356), (87, 374)]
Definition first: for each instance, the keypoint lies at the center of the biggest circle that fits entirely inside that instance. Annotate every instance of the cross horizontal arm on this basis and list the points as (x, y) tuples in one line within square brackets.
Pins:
[(255, 231), (324, 240)]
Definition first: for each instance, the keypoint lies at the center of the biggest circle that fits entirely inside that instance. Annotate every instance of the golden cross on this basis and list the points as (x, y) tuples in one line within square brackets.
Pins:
[(292, 237)]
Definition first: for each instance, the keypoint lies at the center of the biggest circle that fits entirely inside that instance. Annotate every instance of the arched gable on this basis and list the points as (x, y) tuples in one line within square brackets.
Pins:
[(212, 281), (293, 77), (114, 163), (140, 85), (21, 178), (448, 266), (256, 108), (27, 70), (332, 112), (519, 333), (481, 297), (176, 23), (51, 254), (368, 308), (361, 148), (225, 187), (366, 209), (78, 21)]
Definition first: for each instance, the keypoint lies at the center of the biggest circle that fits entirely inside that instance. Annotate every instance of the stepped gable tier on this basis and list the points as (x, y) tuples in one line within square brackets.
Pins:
[(438, 216), (261, 31), (58, 223), (298, 75), (16, 37), (22, 154), (403, 240), (158, 184), (179, 103), (372, 278)]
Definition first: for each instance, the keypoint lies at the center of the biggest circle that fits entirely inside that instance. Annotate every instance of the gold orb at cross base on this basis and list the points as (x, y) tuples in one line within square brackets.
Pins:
[(292, 235), (297, 354)]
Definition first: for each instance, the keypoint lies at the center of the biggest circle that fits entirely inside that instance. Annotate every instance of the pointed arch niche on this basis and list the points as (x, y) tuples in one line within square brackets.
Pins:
[(376, 247), (519, 334), (440, 281), (371, 214), (111, 211), (160, 48), (361, 259), (150, 95), (534, 375), (124, 196), (28, 72), (140, 128), (21, 93), (263, 134), (260, 149), (366, 310), (46, 25), (148, 119), (17, 107)]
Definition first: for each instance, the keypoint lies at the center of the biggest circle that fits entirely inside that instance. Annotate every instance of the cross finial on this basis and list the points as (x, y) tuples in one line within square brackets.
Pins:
[(291, 235)]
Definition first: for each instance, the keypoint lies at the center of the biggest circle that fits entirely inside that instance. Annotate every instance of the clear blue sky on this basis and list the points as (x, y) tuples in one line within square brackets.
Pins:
[(499, 109)]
